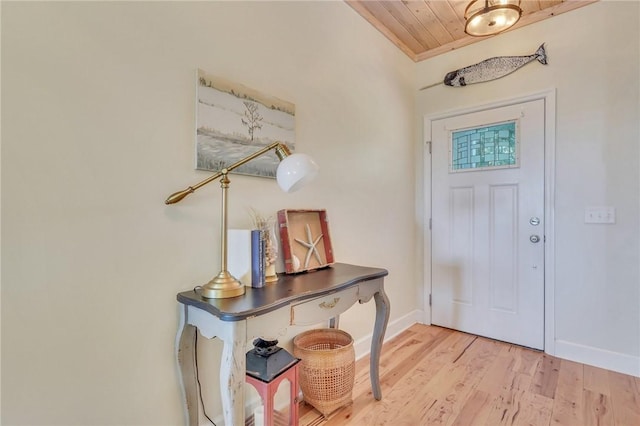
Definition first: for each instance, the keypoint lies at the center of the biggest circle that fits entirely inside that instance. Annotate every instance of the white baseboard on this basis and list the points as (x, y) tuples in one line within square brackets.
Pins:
[(622, 363), (362, 346)]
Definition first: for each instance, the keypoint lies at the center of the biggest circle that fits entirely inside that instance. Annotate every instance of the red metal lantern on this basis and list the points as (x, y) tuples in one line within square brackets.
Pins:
[(268, 366)]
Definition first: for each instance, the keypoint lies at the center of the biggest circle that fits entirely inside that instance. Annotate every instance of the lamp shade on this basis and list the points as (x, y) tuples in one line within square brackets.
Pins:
[(488, 17), (295, 171)]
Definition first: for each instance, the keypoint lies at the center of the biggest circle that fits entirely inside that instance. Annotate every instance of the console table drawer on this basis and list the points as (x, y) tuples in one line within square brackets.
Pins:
[(321, 309)]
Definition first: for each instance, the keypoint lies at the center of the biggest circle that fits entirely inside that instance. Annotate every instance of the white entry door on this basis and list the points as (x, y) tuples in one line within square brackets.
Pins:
[(487, 223)]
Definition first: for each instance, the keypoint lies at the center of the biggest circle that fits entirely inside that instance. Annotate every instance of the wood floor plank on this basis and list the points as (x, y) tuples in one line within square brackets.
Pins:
[(568, 404), (400, 408), (511, 382), (436, 376), (454, 385), (596, 380), (535, 410), (504, 373), (597, 409), (395, 400), (625, 399), (475, 410), (391, 356), (433, 354), (546, 376), (423, 366), (417, 352), (505, 409), (400, 405), (525, 359), (362, 379)]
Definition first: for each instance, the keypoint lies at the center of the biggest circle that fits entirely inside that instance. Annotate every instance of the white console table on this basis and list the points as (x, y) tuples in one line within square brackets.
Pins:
[(301, 299)]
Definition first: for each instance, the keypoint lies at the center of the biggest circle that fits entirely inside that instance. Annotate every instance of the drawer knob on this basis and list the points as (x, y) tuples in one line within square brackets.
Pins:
[(330, 305)]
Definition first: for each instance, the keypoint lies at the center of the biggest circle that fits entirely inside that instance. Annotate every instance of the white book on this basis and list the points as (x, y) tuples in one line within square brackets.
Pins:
[(239, 254)]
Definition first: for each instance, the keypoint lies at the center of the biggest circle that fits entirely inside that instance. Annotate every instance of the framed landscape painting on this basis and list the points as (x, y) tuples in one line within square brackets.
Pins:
[(234, 121)]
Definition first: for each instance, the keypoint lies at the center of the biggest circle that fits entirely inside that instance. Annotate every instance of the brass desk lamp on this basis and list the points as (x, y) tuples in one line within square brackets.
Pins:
[(294, 171)]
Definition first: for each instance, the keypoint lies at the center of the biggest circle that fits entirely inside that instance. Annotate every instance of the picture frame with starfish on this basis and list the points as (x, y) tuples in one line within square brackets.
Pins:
[(305, 239)]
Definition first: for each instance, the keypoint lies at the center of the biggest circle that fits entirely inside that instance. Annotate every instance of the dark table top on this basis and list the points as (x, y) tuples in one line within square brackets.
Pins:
[(288, 288)]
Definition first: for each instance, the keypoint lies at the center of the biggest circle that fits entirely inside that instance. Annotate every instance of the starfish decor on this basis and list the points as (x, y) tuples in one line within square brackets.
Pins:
[(311, 245)]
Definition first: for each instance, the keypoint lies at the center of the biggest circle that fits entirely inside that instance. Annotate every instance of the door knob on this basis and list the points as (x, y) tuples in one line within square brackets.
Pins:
[(534, 238), (534, 221)]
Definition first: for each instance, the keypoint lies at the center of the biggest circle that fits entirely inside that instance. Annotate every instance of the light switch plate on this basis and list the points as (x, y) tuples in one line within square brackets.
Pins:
[(604, 214)]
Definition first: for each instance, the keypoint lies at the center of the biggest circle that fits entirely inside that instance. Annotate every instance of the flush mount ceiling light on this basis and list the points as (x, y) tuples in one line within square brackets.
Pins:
[(489, 17)]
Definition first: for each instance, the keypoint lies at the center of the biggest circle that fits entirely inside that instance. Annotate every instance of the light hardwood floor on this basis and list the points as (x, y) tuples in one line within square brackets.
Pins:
[(436, 376)]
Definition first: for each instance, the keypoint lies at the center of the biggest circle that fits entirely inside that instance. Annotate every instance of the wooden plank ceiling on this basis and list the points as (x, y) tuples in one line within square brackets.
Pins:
[(426, 28)]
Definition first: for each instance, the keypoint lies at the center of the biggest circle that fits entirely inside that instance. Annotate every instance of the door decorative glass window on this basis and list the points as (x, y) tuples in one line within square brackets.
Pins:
[(493, 146)]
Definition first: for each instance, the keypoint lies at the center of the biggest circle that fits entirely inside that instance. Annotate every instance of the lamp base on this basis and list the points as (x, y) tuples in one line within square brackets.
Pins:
[(223, 286)]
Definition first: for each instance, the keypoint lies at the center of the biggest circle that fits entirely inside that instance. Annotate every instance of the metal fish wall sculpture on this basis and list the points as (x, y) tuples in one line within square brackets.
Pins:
[(491, 69)]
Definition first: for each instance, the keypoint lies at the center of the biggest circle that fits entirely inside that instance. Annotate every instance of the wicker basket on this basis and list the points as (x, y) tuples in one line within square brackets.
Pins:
[(327, 369)]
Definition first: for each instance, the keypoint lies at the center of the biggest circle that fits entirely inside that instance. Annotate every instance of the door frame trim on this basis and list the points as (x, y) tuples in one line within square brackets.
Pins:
[(549, 98)]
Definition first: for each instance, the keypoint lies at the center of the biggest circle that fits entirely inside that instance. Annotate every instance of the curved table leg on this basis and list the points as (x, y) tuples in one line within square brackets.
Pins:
[(186, 358), (232, 372), (232, 369), (382, 318)]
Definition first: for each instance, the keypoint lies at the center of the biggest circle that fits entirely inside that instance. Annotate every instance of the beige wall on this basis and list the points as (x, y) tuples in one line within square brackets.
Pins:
[(98, 123), (594, 69), (98, 107)]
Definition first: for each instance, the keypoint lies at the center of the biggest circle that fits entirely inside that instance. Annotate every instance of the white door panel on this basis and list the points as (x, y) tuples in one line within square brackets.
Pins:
[(487, 275)]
